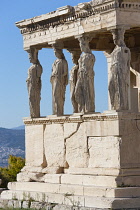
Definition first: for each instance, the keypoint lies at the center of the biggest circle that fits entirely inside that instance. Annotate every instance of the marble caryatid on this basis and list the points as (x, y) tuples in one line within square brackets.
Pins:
[(73, 77), (84, 90), (34, 83), (59, 81), (119, 84)]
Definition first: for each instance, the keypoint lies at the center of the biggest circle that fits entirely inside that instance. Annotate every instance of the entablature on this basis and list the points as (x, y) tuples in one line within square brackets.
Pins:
[(94, 18)]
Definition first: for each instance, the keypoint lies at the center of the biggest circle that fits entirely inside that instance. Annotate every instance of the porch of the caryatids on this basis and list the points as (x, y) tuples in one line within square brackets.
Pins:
[(119, 84), (84, 90), (59, 79), (75, 53), (34, 83)]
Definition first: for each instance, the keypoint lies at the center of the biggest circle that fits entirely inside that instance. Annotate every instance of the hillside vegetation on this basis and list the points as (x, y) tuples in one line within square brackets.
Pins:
[(12, 142), (15, 164)]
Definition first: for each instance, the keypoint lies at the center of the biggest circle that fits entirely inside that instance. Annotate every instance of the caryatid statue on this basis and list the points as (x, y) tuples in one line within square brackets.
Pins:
[(34, 83), (73, 77), (119, 84), (59, 80), (84, 90)]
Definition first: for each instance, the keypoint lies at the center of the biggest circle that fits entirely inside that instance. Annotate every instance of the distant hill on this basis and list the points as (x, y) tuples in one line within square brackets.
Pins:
[(12, 142), (22, 127)]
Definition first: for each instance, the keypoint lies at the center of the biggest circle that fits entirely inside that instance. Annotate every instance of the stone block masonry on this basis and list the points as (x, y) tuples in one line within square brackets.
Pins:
[(109, 176)]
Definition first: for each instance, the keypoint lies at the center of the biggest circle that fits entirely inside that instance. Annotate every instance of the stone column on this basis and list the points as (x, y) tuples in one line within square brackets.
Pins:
[(34, 83), (84, 90), (108, 57), (75, 53), (135, 79), (119, 83), (59, 80)]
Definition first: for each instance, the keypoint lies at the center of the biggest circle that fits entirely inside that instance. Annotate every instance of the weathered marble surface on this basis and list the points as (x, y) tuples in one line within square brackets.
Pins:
[(34, 83), (96, 157), (119, 84), (73, 78), (95, 144), (70, 196), (54, 146), (34, 146), (59, 80), (84, 90)]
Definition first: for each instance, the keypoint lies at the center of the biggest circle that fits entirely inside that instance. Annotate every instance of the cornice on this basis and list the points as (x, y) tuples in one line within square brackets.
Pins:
[(53, 19), (44, 24)]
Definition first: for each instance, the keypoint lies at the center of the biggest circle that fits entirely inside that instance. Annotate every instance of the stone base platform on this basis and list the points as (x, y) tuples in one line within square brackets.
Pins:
[(82, 161), (108, 141), (12, 204), (74, 195)]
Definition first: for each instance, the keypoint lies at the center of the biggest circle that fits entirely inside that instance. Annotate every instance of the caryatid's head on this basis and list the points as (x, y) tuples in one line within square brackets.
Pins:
[(33, 55), (84, 44), (118, 36), (75, 56), (58, 50), (58, 53)]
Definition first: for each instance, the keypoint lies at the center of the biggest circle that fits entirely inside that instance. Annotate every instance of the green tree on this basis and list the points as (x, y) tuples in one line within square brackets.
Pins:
[(15, 164)]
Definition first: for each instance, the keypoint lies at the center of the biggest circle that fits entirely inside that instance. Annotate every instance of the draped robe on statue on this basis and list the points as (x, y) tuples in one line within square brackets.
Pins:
[(73, 81), (59, 80), (34, 89), (119, 85), (84, 91)]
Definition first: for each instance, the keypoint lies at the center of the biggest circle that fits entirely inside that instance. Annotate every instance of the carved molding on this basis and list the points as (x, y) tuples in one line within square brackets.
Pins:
[(60, 20), (82, 118)]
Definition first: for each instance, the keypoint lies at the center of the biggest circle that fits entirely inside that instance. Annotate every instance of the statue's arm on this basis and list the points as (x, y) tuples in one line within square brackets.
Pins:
[(39, 71), (66, 73), (53, 72), (28, 75)]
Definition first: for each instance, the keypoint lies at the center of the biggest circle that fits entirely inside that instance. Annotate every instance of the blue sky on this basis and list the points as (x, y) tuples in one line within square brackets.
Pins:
[(14, 64)]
